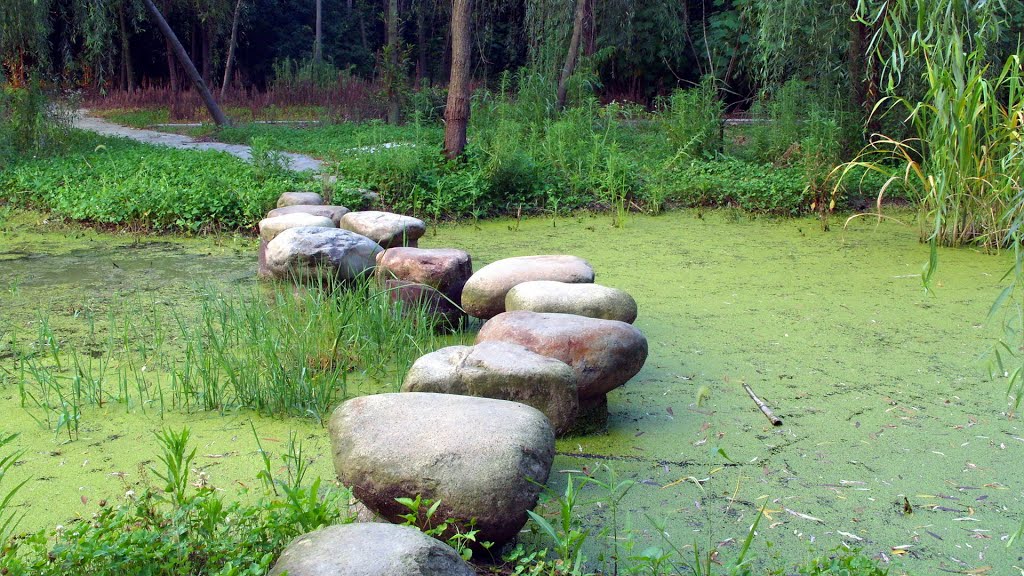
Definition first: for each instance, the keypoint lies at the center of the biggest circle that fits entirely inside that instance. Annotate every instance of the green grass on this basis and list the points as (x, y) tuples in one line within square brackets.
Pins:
[(280, 350), (116, 181)]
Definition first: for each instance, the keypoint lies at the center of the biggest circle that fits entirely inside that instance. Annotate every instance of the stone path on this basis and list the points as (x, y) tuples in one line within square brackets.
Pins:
[(296, 162)]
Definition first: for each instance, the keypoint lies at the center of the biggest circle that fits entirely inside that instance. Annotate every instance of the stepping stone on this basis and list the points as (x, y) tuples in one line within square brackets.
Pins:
[(482, 458), (293, 198), (444, 269), (592, 300), (333, 212), (604, 353), (500, 370), (484, 293), (274, 225), (369, 549), (446, 315), (387, 229), (315, 252)]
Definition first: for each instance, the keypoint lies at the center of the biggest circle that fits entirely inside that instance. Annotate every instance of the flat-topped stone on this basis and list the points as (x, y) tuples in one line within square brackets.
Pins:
[(591, 300), (385, 228), (369, 549), (444, 269), (500, 370), (311, 252), (481, 458), (333, 212), (293, 198), (272, 226), (604, 353), (485, 291)]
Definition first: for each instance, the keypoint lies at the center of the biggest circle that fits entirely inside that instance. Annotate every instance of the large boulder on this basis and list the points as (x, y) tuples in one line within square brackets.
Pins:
[(271, 226), (333, 212), (313, 252), (370, 549), (443, 269), (444, 314), (484, 293), (591, 300), (387, 229), (604, 353), (500, 370), (481, 458), (293, 198)]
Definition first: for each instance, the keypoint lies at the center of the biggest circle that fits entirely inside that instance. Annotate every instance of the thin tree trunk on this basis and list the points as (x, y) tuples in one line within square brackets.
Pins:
[(393, 76), (205, 49), (422, 43), (574, 51), (456, 112), (318, 35), (122, 28), (589, 29), (172, 69), (230, 64), (186, 62)]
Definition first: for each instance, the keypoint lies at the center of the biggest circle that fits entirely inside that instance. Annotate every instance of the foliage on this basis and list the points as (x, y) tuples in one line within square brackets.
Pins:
[(461, 536), (174, 529), (29, 124), (694, 120), (281, 353), (112, 181)]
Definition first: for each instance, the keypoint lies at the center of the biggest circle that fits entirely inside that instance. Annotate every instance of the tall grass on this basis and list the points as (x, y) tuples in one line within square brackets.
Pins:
[(282, 351)]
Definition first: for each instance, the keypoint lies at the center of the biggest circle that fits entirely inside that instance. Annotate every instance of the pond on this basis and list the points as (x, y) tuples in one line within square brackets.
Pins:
[(894, 440)]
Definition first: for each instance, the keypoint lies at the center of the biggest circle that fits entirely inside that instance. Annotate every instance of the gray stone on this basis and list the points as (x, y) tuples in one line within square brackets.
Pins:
[(444, 269), (482, 458), (387, 229), (484, 293), (369, 549), (271, 226), (500, 370), (313, 252), (293, 198), (604, 353), (591, 300), (333, 212)]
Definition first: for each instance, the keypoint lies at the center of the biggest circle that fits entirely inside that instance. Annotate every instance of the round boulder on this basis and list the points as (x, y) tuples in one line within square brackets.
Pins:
[(313, 252), (270, 227), (604, 353), (387, 229), (293, 198), (500, 370), (333, 212), (484, 293), (591, 300), (370, 549), (481, 458), (445, 315), (443, 269)]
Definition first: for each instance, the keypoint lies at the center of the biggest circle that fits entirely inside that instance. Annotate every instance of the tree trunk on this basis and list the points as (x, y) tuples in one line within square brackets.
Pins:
[(574, 51), (393, 76), (186, 62), (126, 55), (172, 69), (589, 29), (318, 34), (205, 50), (422, 43), (456, 112), (229, 65)]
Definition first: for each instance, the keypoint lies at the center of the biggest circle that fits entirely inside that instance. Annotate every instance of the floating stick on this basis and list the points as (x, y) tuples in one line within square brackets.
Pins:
[(775, 420)]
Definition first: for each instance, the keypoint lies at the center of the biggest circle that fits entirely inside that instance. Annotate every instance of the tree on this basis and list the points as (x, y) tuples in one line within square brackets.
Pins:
[(232, 42), (186, 62), (392, 54), (318, 34), (574, 50), (24, 27), (456, 112)]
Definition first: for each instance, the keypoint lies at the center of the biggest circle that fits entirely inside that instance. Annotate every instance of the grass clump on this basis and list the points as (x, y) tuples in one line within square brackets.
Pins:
[(280, 351), (181, 524), (115, 181)]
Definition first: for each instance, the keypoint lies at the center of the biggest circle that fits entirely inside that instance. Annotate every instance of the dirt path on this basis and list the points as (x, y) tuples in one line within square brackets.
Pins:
[(296, 162)]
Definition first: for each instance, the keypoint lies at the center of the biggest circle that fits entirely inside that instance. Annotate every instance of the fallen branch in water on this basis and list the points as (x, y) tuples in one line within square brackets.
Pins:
[(775, 420)]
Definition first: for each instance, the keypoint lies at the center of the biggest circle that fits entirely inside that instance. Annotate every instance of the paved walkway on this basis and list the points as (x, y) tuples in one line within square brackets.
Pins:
[(296, 162)]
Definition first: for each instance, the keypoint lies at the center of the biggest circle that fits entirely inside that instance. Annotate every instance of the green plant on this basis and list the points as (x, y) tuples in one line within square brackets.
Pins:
[(461, 536), (567, 535), (693, 122), (8, 519)]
